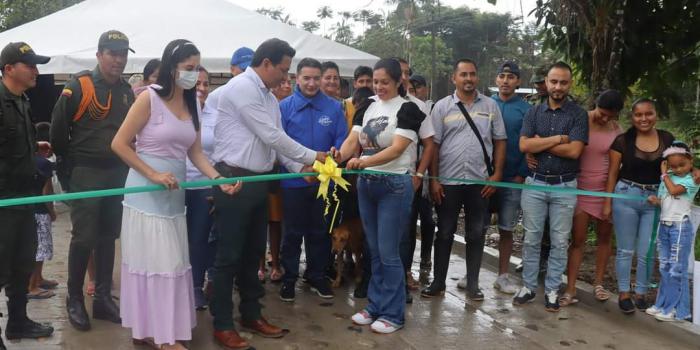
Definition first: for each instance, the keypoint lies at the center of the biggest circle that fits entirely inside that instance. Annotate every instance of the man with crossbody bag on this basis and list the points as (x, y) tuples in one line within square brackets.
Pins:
[(469, 132)]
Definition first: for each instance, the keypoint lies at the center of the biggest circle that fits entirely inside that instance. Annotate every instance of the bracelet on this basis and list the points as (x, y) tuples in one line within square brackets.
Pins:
[(421, 175), (561, 139), (663, 176), (217, 177)]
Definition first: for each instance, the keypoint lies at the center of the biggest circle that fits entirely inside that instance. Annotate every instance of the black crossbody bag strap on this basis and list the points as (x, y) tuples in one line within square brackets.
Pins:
[(487, 158)]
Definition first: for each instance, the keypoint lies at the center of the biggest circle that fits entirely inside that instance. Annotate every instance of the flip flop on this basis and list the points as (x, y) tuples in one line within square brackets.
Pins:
[(275, 275), (43, 294), (48, 284), (567, 299), (601, 294)]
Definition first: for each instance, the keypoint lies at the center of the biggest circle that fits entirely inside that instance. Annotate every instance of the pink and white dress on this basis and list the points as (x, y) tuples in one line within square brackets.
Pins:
[(157, 298), (594, 170)]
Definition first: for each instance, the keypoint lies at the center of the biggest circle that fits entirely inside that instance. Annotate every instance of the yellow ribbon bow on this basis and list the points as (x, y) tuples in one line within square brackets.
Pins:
[(328, 172)]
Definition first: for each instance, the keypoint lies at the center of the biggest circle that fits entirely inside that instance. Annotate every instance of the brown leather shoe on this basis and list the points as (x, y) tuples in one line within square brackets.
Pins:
[(231, 340), (264, 329)]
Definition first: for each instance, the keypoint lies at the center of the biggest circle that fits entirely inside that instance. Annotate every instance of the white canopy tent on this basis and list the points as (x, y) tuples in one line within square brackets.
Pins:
[(217, 27)]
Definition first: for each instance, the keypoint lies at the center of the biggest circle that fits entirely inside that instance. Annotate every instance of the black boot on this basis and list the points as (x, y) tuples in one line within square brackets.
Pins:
[(20, 326), (103, 306), (78, 257)]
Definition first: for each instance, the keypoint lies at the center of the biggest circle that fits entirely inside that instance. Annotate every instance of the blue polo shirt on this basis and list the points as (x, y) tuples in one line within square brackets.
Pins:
[(569, 119), (513, 112), (316, 122)]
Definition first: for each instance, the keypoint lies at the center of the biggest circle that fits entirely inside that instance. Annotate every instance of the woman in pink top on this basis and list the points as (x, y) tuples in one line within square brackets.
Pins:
[(603, 128), (157, 300)]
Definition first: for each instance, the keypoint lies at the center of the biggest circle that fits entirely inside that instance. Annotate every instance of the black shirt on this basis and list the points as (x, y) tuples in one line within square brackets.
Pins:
[(637, 165)]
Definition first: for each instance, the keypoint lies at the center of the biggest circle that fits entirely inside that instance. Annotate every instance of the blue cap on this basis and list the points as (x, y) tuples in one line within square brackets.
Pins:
[(242, 57), (510, 67)]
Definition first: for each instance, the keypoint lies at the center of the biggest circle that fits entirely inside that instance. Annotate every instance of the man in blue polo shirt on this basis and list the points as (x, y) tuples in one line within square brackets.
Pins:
[(555, 132), (317, 122), (513, 109)]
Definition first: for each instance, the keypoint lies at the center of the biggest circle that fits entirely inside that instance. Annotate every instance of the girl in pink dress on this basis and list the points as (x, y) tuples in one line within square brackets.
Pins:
[(603, 129)]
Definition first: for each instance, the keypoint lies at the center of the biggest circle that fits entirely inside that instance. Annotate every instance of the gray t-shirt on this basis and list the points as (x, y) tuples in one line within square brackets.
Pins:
[(460, 151)]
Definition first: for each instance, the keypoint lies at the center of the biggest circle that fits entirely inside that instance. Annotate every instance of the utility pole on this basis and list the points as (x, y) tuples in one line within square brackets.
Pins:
[(433, 63)]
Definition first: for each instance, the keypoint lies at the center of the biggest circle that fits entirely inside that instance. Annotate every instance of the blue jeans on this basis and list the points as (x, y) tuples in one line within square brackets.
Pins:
[(304, 220), (509, 209), (199, 226), (674, 244), (536, 206), (385, 207), (633, 221)]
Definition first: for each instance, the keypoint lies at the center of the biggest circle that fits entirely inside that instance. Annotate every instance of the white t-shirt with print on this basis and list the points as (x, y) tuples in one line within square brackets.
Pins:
[(379, 126)]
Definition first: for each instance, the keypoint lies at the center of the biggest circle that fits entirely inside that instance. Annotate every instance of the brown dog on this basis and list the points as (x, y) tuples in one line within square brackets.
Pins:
[(348, 235)]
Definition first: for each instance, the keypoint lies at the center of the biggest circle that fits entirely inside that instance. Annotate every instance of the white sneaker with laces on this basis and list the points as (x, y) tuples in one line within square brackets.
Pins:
[(666, 317), (462, 284), (362, 318), (505, 285), (384, 327), (653, 311)]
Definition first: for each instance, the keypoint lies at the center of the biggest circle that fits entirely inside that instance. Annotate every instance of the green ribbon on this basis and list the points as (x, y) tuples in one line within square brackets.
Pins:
[(275, 177)]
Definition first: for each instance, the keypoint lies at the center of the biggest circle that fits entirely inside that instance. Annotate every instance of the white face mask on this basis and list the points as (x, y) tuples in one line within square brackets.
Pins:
[(187, 79)]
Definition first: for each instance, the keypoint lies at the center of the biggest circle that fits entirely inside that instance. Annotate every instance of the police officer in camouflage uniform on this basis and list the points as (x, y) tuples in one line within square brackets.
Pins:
[(18, 238), (86, 117)]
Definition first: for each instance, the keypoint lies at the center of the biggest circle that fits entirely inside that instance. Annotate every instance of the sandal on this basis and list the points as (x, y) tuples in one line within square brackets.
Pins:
[(48, 284), (275, 275), (41, 294), (146, 342), (601, 294), (567, 299), (261, 275)]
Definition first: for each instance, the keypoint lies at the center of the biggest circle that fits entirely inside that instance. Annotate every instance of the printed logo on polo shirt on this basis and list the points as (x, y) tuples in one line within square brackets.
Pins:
[(325, 120)]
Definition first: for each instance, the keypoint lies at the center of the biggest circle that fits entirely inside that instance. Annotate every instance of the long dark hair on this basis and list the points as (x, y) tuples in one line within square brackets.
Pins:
[(175, 52), (150, 67), (393, 69)]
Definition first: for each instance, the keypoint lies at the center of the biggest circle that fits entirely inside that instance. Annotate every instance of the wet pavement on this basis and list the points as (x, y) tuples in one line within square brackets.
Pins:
[(451, 322)]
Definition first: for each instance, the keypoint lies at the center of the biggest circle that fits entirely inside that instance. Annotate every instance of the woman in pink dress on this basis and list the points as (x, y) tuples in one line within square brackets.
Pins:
[(603, 128), (157, 294)]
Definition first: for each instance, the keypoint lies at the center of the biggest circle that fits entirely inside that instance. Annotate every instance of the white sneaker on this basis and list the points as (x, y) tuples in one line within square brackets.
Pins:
[(462, 284), (362, 318), (384, 327), (666, 317), (653, 311), (505, 285)]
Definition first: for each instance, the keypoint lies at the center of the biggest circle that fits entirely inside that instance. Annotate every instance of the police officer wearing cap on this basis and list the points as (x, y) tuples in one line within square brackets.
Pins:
[(18, 239), (86, 117)]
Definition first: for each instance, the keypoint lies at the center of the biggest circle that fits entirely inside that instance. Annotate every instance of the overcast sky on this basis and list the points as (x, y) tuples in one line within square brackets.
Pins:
[(305, 10)]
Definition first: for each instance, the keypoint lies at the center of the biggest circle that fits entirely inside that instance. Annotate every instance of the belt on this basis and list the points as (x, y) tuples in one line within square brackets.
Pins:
[(232, 171), (554, 179), (643, 187)]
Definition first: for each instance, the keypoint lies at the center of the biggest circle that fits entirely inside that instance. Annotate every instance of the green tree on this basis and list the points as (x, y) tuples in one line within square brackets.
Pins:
[(620, 43), (363, 17), (342, 32), (310, 26), (323, 13), (422, 58), (276, 13), (15, 13)]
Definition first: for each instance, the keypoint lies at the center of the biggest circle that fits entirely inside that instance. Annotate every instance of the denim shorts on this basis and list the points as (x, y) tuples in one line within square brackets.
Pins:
[(509, 209)]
